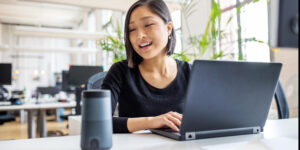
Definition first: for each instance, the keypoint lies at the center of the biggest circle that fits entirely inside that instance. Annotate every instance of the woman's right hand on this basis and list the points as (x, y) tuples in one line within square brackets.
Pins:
[(170, 119)]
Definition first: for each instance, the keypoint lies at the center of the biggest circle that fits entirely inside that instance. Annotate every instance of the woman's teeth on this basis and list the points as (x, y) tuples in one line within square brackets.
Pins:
[(145, 44)]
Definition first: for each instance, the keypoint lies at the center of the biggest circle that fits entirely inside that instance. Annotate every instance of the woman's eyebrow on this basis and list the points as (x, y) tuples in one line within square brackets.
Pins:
[(146, 17), (143, 18)]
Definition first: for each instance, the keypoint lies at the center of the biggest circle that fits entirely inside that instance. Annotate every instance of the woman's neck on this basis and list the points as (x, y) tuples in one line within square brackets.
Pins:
[(162, 65)]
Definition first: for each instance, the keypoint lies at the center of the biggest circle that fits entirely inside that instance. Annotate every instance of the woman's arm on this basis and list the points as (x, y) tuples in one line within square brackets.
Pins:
[(170, 119), (113, 82)]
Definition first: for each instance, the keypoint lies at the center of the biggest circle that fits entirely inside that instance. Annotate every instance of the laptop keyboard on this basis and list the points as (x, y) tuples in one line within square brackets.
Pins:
[(168, 129)]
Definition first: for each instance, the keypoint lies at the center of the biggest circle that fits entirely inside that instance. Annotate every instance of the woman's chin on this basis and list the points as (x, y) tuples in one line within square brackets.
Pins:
[(145, 49)]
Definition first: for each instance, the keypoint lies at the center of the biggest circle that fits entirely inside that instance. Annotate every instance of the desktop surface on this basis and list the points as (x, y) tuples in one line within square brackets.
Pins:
[(278, 134)]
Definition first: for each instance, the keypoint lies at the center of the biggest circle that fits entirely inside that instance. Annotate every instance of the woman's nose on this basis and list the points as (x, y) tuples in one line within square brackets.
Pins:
[(141, 35)]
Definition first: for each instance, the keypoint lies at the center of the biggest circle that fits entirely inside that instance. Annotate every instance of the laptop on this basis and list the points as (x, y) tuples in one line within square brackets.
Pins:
[(226, 98)]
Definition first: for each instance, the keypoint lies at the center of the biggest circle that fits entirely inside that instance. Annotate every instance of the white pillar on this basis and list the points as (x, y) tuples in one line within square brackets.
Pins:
[(0, 33), (98, 15), (80, 58), (74, 56), (0, 40)]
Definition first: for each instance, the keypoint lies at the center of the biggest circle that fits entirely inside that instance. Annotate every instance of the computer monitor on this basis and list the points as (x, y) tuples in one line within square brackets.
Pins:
[(79, 75), (5, 73), (288, 23), (284, 23), (65, 86)]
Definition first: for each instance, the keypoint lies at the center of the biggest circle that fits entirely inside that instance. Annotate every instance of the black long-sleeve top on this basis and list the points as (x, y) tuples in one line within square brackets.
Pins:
[(137, 98)]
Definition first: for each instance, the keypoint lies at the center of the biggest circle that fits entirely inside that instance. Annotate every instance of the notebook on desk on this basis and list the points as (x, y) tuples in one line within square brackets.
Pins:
[(226, 98)]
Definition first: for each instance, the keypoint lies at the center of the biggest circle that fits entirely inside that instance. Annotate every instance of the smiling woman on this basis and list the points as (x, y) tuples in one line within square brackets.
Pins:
[(150, 85), (151, 20), (148, 31)]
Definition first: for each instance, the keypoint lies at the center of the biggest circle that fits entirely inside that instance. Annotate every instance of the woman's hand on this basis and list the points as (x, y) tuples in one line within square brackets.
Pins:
[(170, 119)]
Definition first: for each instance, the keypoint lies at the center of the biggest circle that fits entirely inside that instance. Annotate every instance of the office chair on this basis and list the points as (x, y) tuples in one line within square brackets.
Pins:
[(281, 102), (5, 117), (95, 81)]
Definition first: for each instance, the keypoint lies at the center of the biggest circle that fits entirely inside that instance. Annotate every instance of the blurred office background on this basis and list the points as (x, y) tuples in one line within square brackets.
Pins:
[(42, 38)]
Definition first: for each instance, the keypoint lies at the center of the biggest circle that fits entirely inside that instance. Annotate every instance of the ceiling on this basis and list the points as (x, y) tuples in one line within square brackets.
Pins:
[(58, 13)]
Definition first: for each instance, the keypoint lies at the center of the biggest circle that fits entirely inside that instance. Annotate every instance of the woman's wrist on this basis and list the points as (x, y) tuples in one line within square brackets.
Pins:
[(148, 122), (137, 124)]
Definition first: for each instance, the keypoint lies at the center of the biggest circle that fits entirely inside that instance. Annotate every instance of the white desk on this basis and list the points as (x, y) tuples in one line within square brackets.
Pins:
[(33, 106), (41, 109), (278, 134)]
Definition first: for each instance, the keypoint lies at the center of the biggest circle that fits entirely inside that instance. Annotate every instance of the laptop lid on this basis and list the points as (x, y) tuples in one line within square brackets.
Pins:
[(228, 95)]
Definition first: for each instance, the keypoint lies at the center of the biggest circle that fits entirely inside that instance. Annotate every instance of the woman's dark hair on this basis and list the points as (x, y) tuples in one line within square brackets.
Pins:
[(158, 7)]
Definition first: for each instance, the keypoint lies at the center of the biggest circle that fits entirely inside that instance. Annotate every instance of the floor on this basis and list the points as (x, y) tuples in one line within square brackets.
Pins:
[(16, 130)]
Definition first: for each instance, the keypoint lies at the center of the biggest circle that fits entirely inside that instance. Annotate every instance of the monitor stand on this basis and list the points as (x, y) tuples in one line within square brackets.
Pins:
[(78, 91)]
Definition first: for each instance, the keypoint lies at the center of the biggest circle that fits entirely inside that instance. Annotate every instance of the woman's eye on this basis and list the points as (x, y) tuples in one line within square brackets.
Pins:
[(130, 30), (147, 25)]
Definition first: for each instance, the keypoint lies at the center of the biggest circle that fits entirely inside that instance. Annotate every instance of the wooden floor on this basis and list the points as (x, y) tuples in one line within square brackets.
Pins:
[(16, 130)]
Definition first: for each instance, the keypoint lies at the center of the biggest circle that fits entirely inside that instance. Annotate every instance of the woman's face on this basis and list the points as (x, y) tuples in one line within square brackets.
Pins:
[(148, 34)]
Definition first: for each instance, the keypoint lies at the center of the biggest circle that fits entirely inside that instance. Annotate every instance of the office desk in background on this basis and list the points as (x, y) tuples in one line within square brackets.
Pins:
[(31, 108), (278, 135)]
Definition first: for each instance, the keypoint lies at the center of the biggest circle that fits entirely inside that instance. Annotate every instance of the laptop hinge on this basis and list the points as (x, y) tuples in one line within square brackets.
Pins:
[(253, 130), (224, 132), (256, 129), (190, 136)]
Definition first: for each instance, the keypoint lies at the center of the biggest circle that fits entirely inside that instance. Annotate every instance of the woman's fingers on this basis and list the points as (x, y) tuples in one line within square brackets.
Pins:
[(176, 115), (170, 119), (174, 119), (172, 125)]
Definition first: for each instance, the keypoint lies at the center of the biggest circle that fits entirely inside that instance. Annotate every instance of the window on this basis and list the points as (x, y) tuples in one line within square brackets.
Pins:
[(106, 16), (254, 24), (254, 21)]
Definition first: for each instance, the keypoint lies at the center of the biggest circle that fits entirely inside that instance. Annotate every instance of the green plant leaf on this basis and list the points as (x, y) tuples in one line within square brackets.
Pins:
[(229, 20), (217, 55)]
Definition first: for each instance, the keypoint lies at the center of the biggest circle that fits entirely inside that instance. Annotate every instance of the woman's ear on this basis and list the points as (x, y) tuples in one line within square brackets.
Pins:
[(170, 27)]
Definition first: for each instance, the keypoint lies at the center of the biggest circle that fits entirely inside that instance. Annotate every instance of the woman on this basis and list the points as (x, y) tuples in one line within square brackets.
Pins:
[(150, 85)]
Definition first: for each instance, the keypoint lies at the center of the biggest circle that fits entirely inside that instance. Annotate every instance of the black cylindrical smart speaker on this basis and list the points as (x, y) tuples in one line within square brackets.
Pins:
[(96, 124)]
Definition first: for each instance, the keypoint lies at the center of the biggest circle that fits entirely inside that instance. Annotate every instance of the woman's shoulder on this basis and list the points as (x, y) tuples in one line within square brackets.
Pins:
[(122, 63), (116, 72), (119, 66), (120, 69), (184, 65)]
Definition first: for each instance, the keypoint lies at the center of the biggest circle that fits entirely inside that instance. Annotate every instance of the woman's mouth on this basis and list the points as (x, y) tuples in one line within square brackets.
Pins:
[(145, 46)]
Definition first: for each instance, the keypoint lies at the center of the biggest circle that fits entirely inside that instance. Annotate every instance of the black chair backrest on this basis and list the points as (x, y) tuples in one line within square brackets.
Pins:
[(95, 81), (282, 106)]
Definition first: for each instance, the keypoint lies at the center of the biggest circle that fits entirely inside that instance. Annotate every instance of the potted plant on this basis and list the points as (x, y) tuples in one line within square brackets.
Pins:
[(213, 34), (114, 42)]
